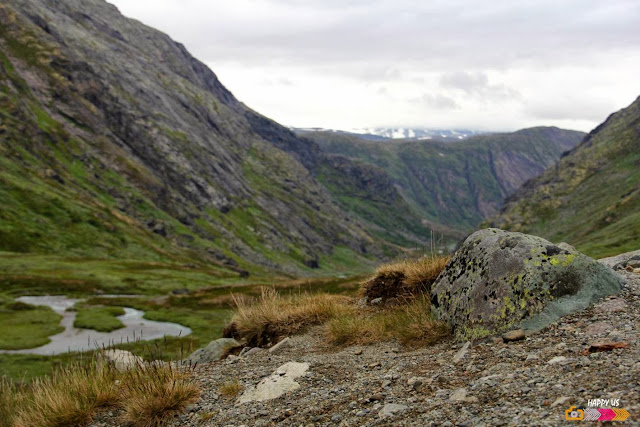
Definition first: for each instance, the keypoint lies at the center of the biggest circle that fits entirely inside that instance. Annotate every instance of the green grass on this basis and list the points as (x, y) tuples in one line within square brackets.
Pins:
[(101, 319), (29, 328)]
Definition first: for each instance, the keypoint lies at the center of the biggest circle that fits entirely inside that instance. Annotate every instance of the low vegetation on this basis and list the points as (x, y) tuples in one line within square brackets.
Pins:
[(231, 388), (74, 395), (101, 319), (273, 315), (411, 324), (404, 279), (25, 326), (402, 313)]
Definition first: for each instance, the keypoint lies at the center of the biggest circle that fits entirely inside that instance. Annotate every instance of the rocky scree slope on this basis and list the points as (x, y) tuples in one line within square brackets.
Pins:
[(591, 197), (116, 142), (450, 187), (486, 383)]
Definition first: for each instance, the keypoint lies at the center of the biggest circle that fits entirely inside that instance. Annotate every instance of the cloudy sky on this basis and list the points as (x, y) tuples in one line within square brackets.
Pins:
[(488, 65)]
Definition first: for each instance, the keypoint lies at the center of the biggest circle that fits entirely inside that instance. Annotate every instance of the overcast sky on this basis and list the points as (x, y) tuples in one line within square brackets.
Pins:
[(489, 65)]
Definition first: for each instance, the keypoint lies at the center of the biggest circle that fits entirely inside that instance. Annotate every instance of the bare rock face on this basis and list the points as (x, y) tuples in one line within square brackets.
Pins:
[(499, 280)]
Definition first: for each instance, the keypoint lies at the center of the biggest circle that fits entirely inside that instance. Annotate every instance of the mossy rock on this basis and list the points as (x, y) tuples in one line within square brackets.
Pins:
[(499, 280)]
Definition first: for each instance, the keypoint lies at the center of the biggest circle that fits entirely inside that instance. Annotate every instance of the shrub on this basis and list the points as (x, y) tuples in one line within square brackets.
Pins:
[(231, 388)]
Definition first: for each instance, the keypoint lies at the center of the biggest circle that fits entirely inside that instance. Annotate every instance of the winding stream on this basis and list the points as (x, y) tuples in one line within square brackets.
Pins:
[(74, 339)]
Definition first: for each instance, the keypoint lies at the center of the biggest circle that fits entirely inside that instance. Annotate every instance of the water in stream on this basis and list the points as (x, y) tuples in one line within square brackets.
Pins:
[(74, 339)]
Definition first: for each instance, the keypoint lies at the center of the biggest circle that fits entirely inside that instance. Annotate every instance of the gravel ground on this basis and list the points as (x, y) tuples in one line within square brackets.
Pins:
[(530, 382)]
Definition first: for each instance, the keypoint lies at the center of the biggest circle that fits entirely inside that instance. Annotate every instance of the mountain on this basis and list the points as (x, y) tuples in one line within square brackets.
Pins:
[(591, 197), (381, 133), (116, 142), (450, 186)]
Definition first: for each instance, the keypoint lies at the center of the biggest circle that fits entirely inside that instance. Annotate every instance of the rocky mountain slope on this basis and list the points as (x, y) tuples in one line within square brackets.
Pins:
[(451, 187), (115, 142), (591, 197)]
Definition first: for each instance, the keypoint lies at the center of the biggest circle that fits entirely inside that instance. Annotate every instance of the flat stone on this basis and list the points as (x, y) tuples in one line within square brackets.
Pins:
[(515, 335), (280, 382), (391, 409)]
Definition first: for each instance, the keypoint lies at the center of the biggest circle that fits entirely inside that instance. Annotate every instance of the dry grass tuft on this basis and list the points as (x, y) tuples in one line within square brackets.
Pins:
[(404, 279), (70, 397), (274, 315), (73, 396), (156, 394), (411, 324), (231, 388)]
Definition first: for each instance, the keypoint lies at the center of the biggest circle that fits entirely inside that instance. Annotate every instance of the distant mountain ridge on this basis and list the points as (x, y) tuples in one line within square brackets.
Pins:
[(452, 186), (591, 197), (399, 133)]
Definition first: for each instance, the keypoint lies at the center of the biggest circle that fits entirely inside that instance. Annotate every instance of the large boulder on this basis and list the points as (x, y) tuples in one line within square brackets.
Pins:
[(500, 280)]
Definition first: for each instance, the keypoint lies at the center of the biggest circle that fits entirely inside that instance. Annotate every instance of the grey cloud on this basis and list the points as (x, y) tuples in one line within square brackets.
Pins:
[(477, 84), (439, 101), (444, 35)]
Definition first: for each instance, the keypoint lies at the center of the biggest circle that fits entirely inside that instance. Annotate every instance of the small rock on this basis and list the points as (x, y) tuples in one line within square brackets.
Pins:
[(633, 263), (213, 351), (556, 360), (606, 346), (391, 409), (336, 418), (562, 400), (279, 383), (121, 360), (515, 335), (376, 397), (415, 382), (280, 345), (376, 301), (358, 352), (459, 395), (253, 351), (462, 352)]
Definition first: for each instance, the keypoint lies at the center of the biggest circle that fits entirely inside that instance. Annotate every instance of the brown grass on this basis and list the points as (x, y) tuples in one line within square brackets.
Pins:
[(411, 324), (404, 279), (231, 388), (274, 315), (157, 393), (75, 394)]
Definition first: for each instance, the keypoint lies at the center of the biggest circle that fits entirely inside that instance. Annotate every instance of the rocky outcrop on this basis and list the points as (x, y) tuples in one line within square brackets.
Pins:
[(498, 280), (215, 350)]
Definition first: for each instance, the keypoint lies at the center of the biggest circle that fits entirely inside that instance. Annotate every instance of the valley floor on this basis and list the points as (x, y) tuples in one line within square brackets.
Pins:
[(530, 382)]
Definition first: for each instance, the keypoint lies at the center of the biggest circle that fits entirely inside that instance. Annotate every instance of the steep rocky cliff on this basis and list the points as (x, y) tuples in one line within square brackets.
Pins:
[(591, 198), (116, 142)]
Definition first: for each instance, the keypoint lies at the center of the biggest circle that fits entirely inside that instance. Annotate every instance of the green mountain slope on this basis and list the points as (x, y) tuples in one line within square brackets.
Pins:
[(116, 143), (591, 198), (452, 186)]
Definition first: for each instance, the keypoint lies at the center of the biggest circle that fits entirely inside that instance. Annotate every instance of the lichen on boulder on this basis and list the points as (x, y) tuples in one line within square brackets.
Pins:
[(498, 280)]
